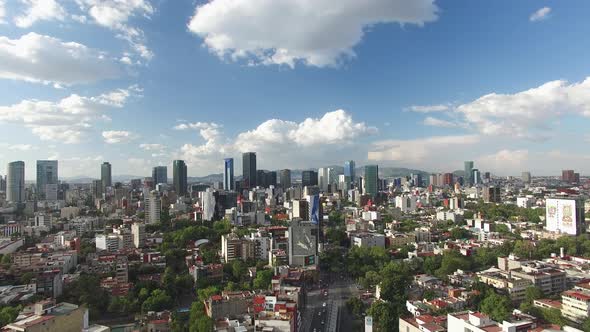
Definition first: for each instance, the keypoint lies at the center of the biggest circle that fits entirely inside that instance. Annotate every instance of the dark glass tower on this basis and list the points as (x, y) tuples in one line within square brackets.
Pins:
[(249, 170), (179, 177)]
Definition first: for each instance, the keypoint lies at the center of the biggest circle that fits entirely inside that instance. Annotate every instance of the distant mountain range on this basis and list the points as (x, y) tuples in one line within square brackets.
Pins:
[(384, 172)]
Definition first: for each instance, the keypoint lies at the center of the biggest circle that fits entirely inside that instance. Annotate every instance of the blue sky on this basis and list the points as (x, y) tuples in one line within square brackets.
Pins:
[(421, 83)]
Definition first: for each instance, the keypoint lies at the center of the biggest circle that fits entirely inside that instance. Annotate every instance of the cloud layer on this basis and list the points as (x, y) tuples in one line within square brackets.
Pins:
[(45, 59), (67, 120), (280, 143), (540, 15), (316, 33)]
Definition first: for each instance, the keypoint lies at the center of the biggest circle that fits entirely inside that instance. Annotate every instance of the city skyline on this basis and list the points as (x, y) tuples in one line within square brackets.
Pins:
[(404, 90)]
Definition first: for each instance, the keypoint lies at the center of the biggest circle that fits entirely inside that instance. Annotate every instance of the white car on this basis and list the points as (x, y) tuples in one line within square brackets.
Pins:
[(323, 305)]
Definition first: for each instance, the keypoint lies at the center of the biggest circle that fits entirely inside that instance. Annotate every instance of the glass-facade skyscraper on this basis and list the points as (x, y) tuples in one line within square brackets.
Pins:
[(179, 176), (349, 172), (249, 170), (371, 180), (285, 178), (160, 174), (106, 176), (468, 179), (15, 182), (46, 175), (228, 174)]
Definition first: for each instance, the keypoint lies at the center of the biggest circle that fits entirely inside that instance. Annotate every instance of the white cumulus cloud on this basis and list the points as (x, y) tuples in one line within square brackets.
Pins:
[(428, 108), (39, 10), (45, 59), (541, 14), (67, 120), (436, 122), (280, 142), (530, 114), (316, 33), (118, 136), (420, 150), (115, 15)]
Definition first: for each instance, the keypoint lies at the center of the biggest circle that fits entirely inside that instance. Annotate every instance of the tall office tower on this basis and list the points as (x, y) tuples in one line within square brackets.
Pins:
[(160, 174), (448, 179), (371, 179), (228, 174), (492, 194), (568, 175), (468, 173), (285, 178), (432, 180), (349, 171), (15, 182), (96, 189), (526, 177), (46, 175), (323, 174), (249, 170), (261, 178), (2, 183), (179, 177), (153, 207), (270, 179), (309, 178), (475, 176), (138, 232), (106, 176)]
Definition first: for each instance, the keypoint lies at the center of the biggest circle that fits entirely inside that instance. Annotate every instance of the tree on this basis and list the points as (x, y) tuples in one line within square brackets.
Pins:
[(263, 279), (9, 314), (199, 322), (384, 316), (533, 293), (586, 325), (355, 306), (238, 269), (205, 293), (157, 301), (498, 307)]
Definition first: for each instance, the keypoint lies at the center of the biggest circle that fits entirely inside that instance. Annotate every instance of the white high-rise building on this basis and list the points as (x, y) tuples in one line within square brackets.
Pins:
[(138, 232), (153, 207), (208, 204), (15, 186)]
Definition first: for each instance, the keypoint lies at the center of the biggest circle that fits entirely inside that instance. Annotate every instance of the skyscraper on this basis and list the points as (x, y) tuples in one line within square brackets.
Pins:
[(349, 171), (249, 170), (106, 176), (526, 177), (568, 175), (228, 174), (285, 178), (309, 178), (371, 179), (160, 174), (153, 207), (15, 182), (468, 173), (46, 175), (179, 175)]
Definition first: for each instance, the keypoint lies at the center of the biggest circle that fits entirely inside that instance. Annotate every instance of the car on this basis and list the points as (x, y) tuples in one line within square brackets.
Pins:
[(323, 305), (322, 322)]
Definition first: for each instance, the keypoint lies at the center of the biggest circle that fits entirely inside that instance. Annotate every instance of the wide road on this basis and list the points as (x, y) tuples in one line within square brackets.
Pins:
[(320, 318)]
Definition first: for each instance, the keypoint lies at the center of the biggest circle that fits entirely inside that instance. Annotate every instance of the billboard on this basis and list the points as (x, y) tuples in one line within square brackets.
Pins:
[(561, 215), (314, 202)]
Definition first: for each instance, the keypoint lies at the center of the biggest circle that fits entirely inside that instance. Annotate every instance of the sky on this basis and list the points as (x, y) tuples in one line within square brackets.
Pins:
[(304, 83)]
